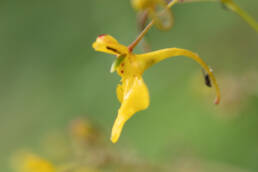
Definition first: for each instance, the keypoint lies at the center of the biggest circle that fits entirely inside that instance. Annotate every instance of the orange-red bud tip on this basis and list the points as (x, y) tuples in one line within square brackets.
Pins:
[(102, 35), (217, 101)]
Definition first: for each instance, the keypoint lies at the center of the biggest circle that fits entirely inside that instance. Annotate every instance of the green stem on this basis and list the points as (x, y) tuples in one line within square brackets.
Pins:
[(188, 1), (234, 7)]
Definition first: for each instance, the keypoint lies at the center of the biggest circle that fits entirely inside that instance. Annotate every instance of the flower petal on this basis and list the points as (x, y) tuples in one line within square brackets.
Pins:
[(134, 97), (119, 92), (108, 44)]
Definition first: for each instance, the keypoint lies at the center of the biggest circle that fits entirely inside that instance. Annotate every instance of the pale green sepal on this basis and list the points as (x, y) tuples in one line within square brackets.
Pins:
[(116, 63)]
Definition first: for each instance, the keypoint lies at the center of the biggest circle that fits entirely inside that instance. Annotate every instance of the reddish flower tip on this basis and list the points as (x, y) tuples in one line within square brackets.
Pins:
[(102, 35), (217, 101)]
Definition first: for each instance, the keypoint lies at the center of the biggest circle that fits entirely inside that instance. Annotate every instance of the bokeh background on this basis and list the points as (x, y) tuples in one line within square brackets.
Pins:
[(50, 75)]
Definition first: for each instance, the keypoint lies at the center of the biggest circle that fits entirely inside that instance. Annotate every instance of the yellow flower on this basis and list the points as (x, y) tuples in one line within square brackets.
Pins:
[(132, 92), (27, 162), (84, 133), (156, 10)]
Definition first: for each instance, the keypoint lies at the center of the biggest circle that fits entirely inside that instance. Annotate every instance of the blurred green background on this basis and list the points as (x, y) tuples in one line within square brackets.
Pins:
[(50, 74)]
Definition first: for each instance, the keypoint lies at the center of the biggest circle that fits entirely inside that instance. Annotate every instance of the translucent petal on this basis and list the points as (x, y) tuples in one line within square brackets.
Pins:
[(162, 16)]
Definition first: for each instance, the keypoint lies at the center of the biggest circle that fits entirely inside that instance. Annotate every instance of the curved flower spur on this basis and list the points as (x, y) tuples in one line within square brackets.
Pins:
[(132, 92)]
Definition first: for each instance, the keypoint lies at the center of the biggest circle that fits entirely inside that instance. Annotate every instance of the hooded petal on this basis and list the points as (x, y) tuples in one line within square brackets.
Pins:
[(134, 97), (108, 44)]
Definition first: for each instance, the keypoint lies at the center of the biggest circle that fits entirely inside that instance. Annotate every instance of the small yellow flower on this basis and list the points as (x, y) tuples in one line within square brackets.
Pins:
[(27, 162), (156, 10), (132, 92), (84, 133), (159, 11)]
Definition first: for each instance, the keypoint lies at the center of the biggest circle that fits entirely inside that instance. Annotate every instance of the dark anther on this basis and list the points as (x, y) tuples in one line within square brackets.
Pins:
[(207, 79), (112, 49)]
